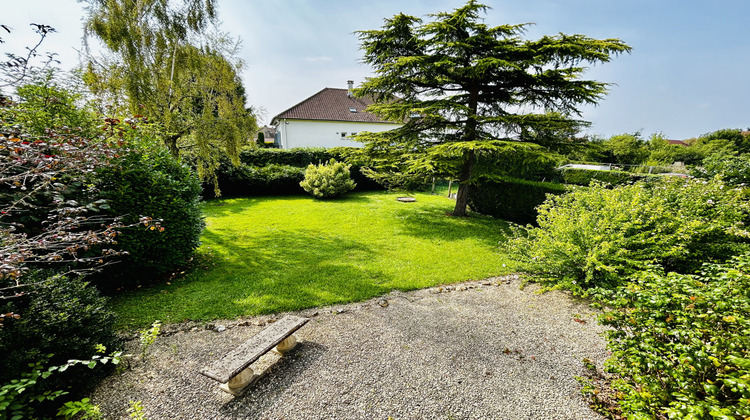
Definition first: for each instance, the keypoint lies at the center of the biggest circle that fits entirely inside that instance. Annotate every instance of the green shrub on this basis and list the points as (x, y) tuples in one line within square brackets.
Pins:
[(30, 397), (299, 157), (158, 186), (511, 199), (734, 170), (65, 318), (585, 176), (594, 236), (244, 180), (680, 343), (328, 180), (266, 172)]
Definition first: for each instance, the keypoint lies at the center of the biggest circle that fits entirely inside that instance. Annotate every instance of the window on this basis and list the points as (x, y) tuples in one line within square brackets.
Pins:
[(352, 109), (343, 134), (354, 134)]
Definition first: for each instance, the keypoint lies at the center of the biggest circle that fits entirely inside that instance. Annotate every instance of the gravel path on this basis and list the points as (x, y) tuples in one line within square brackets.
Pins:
[(478, 350)]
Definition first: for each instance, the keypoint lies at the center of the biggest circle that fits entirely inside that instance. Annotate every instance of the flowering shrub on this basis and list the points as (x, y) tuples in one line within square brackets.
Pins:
[(596, 236), (733, 170), (328, 180), (681, 342)]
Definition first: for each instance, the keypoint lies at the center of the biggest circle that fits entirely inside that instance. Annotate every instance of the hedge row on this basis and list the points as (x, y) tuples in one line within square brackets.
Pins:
[(511, 199), (299, 157), (277, 172), (585, 176)]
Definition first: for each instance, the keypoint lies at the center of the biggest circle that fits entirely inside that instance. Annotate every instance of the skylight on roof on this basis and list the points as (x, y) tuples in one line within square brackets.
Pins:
[(352, 109)]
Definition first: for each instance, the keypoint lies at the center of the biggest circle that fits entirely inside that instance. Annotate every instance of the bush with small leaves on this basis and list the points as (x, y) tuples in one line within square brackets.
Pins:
[(155, 184), (64, 316), (594, 237), (680, 343), (328, 180)]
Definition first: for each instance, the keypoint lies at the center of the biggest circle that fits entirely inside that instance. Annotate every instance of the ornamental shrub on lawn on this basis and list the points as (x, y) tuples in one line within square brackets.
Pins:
[(596, 236), (328, 180), (680, 343)]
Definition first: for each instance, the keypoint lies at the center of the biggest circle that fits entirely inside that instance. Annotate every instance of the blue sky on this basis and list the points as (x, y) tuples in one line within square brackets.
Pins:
[(687, 74)]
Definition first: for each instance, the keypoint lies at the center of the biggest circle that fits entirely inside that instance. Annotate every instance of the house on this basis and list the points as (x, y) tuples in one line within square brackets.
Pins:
[(678, 143), (269, 134), (329, 118)]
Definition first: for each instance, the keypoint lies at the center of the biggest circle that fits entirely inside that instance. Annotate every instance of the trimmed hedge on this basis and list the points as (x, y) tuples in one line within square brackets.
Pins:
[(532, 168), (277, 172), (244, 180), (511, 199), (585, 176), (299, 157)]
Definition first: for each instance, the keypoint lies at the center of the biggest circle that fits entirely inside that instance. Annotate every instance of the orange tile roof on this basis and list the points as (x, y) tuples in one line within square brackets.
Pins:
[(331, 104), (678, 142)]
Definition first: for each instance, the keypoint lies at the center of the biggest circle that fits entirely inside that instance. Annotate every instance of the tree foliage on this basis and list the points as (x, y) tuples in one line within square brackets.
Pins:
[(18, 67), (464, 88), (50, 100), (171, 67)]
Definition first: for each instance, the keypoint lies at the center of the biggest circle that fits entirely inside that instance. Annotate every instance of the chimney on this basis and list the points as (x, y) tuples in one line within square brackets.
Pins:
[(350, 84)]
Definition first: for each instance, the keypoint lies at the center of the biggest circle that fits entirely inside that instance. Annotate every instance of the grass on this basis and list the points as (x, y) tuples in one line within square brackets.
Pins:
[(267, 255)]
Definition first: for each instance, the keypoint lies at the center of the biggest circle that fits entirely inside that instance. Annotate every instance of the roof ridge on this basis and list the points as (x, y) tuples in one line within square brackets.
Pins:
[(331, 104)]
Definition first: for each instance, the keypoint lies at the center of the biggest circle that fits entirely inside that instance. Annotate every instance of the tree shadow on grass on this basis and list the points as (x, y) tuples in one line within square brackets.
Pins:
[(218, 207), (284, 271), (300, 269), (434, 223)]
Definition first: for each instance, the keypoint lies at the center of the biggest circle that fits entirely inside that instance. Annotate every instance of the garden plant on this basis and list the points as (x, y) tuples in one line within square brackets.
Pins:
[(328, 180), (597, 236)]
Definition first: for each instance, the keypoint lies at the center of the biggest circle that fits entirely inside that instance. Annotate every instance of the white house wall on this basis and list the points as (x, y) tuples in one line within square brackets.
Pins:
[(309, 133)]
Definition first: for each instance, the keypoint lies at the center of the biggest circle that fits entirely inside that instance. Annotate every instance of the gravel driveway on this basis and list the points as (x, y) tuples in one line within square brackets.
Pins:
[(477, 350)]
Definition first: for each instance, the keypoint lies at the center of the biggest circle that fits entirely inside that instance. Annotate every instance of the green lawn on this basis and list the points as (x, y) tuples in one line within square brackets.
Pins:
[(273, 254)]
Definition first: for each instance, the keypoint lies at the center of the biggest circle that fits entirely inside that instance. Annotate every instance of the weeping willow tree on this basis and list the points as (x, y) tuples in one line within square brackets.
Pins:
[(465, 89), (169, 65)]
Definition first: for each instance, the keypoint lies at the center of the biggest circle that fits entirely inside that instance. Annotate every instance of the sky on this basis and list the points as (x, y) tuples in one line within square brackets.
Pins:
[(688, 73)]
